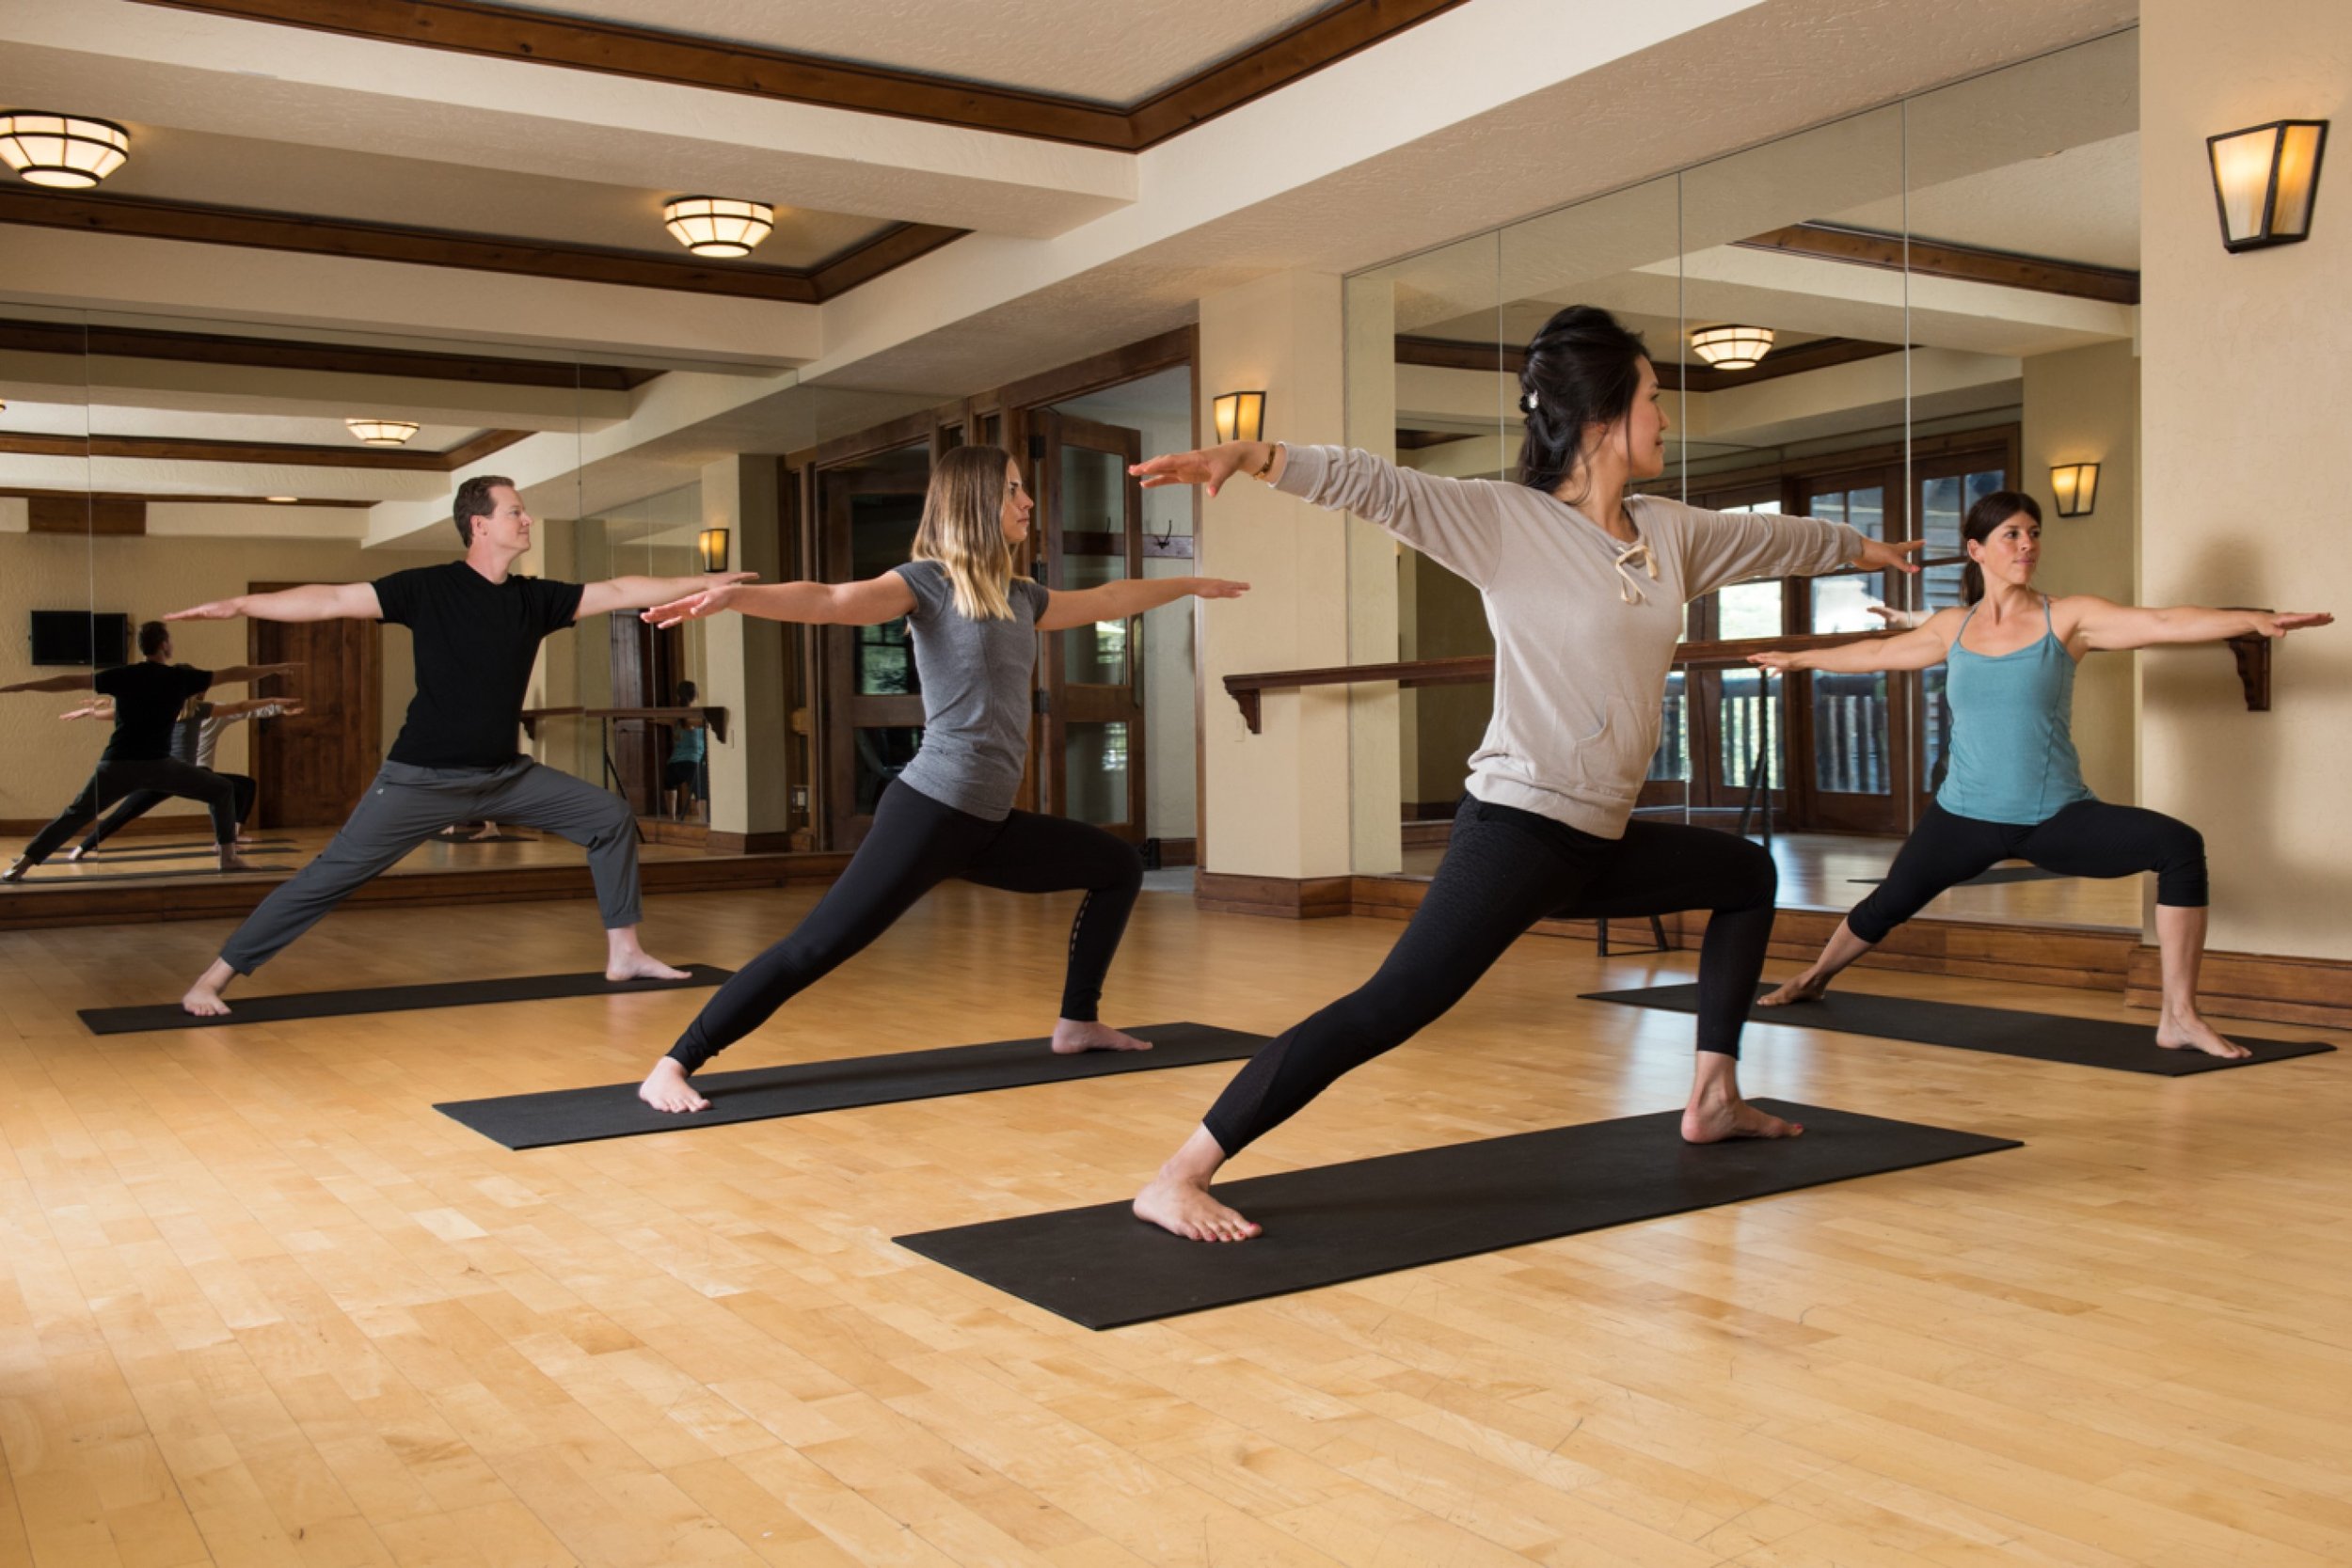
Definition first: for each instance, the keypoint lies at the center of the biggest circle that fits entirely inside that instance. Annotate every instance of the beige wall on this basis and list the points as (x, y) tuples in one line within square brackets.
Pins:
[(145, 577), (2245, 379), (743, 655), (2083, 406), (1278, 803)]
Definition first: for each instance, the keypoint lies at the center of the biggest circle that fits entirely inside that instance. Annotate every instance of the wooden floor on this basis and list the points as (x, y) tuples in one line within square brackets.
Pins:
[(263, 1305), (1821, 871)]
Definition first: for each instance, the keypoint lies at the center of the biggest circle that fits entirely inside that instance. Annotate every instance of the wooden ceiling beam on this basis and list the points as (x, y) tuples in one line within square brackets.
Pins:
[(217, 348), (164, 449)]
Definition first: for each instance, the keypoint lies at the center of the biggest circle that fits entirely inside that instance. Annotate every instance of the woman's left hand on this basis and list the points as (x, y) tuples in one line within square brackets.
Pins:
[(2285, 621), (1778, 661), (1217, 588), (1879, 556)]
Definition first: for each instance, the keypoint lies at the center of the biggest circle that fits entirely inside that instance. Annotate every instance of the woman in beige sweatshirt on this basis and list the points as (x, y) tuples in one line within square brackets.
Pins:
[(1584, 587)]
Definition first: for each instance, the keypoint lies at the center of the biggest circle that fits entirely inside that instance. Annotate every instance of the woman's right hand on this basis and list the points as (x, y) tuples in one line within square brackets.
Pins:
[(1779, 661), (695, 607), (1210, 467)]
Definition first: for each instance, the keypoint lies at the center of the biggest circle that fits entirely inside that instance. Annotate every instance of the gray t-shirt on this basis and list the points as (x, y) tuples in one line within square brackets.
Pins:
[(976, 694)]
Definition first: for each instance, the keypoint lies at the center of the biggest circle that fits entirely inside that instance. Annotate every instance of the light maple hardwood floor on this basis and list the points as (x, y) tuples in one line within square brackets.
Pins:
[(264, 1305)]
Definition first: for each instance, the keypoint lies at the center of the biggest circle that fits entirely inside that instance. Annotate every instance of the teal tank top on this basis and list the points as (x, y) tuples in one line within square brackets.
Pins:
[(2013, 731), (687, 747)]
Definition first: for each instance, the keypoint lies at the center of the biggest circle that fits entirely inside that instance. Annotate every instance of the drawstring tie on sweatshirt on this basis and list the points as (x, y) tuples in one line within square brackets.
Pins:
[(1628, 588)]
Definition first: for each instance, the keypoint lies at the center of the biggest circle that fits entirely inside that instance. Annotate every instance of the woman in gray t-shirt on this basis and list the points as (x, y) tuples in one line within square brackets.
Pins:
[(949, 814)]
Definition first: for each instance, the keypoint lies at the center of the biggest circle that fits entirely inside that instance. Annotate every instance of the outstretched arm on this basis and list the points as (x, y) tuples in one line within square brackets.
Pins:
[(316, 601), (817, 604), (1211, 466), (97, 707), (2103, 626), (1922, 649), (255, 705), (598, 598), (251, 673), (82, 681), (1116, 601)]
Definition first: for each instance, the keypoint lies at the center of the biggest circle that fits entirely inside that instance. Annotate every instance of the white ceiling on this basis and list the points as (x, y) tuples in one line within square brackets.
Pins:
[(1113, 54)]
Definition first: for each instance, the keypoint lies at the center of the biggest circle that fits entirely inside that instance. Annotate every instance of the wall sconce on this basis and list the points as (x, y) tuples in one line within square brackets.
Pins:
[(2076, 486), (712, 542), (1241, 417), (2264, 179)]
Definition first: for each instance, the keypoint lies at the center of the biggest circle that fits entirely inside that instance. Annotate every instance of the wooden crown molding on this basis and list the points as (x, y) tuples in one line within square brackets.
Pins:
[(179, 450), (1870, 248), (97, 498), (434, 247), (1820, 353), (215, 348), (581, 43)]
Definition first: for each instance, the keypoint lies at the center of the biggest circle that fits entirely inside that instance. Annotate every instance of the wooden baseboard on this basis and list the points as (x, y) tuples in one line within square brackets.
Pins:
[(746, 844), (661, 829), (1179, 851), (2250, 985), (1286, 897), (1420, 834)]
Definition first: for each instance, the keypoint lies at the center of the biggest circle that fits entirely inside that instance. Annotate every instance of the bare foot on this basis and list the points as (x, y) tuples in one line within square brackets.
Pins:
[(1804, 987), (231, 861), (80, 853), (640, 966), (2193, 1034), (667, 1088), (1071, 1036), (489, 829), (16, 873), (1186, 1209), (203, 998), (1713, 1119)]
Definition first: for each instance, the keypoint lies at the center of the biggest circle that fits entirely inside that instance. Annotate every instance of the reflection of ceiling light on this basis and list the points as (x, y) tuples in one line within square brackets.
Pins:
[(383, 433), (279, 500), (64, 150), (718, 225), (1732, 348)]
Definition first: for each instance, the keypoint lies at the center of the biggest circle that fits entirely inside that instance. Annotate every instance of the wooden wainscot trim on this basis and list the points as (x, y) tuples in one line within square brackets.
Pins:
[(2315, 991), (1285, 897)]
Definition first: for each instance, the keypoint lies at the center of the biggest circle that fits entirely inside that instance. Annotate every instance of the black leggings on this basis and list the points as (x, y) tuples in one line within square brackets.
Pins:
[(114, 781), (1503, 870), (2088, 838), (137, 805), (917, 843)]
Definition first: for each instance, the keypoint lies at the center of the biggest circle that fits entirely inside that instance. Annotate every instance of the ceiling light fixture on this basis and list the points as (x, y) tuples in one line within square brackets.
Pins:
[(279, 500), (718, 225), (383, 433), (1732, 348), (64, 150), (2264, 179)]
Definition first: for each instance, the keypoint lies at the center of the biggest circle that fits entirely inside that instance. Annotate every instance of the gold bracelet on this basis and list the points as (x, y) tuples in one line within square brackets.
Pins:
[(1274, 449)]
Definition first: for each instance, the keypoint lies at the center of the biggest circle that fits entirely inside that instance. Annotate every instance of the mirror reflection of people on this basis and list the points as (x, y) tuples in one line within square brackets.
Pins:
[(973, 625), (1585, 586), (148, 697), (477, 628), (195, 739), (2015, 788), (682, 779)]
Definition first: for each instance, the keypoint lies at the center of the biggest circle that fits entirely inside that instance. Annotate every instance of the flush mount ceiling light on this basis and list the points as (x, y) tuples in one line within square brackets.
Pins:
[(279, 500), (1732, 348), (383, 433), (718, 225), (64, 150)]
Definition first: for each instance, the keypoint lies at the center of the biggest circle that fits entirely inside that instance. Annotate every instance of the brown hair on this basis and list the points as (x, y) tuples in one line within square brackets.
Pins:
[(963, 530), (473, 500), (1984, 520)]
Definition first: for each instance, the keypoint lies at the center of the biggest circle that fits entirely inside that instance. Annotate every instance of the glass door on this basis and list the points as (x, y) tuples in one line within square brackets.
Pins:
[(1090, 738), (869, 509), (1947, 488), (1855, 733)]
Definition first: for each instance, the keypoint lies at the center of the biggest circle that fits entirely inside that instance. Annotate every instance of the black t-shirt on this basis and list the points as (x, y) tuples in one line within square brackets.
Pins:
[(476, 641), (147, 698)]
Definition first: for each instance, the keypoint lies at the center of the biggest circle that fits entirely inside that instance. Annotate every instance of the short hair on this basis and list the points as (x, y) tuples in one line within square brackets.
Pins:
[(473, 500), (152, 636), (685, 693)]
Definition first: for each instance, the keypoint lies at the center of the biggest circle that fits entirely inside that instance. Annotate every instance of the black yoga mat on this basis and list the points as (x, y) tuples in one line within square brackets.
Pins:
[(494, 838), (1101, 1267), (1985, 879), (167, 871), (123, 846), (193, 853), (613, 1110), (386, 999), (2042, 1037)]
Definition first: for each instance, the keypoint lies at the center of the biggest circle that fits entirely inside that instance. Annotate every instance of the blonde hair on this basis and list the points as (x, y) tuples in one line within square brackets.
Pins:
[(963, 530)]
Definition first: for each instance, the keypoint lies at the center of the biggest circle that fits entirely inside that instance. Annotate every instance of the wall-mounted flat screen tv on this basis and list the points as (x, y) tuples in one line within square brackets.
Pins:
[(76, 636)]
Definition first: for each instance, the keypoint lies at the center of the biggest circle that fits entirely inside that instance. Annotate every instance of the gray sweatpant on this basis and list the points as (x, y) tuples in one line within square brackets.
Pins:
[(407, 805)]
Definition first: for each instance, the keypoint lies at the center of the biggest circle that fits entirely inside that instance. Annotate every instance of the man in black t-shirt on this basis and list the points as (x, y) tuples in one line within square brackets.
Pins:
[(148, 698), (477, 629)]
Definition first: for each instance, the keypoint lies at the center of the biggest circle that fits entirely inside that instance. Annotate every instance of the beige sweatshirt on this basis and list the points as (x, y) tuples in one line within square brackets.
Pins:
[(1585, 625)]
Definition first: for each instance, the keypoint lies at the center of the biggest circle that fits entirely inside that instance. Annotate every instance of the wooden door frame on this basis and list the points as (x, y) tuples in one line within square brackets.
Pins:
[(845, 711), (1063, 705)]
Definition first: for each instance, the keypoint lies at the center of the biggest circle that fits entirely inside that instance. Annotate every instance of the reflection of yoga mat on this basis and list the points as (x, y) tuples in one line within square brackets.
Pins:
[(1986, 878), (205, 844), (1102, 1267), (79, 877), (613, 1110), (2042, 1037), (386, 999), (494, 838), (106, 857)]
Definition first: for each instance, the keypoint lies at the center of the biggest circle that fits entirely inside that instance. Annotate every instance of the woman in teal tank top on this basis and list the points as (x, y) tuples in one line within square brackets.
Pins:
[(2015, 790)]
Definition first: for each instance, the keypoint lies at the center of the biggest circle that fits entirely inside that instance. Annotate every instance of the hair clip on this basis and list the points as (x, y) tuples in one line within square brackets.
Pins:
[(1528, 402)]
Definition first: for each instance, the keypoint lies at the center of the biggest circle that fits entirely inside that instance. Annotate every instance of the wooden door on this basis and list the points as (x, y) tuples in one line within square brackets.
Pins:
[(1090, 766), (313, 768), (868, 512), (646, 665)]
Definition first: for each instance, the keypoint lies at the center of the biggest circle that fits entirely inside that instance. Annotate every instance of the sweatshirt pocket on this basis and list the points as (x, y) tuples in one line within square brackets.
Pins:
[(1611, 763)]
